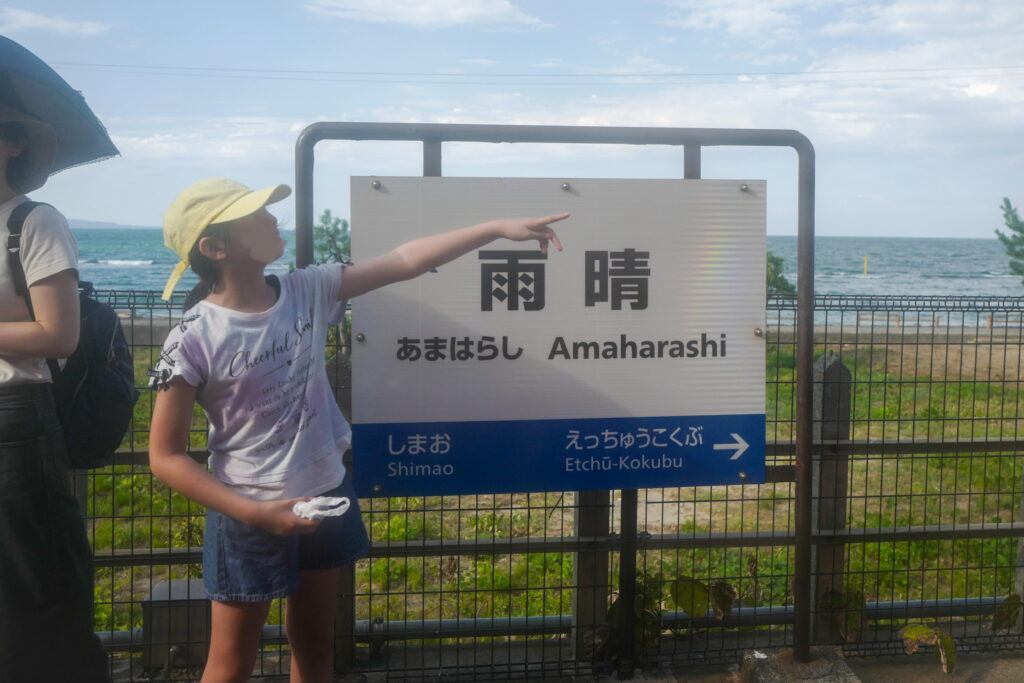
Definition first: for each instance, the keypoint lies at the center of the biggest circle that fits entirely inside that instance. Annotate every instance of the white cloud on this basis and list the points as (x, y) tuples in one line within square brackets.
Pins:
[(424, 13), (234, 139), (892, 96), (549, 63), (959, 108), (841, 29), (804, 21), (935, 18), (869, 114), (744, 18), (641, 64), (13, 20), (981, 89), (911, 117), (154, 146)]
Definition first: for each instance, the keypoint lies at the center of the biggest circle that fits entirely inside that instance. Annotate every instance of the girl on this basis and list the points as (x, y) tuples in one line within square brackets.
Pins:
[(250, 351), (46, 578)]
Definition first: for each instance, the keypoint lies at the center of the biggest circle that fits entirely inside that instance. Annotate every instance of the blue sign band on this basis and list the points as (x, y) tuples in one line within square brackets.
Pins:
[(519, 456)]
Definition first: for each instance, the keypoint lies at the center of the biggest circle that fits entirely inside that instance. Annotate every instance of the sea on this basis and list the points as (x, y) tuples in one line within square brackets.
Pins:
[(136, 258)]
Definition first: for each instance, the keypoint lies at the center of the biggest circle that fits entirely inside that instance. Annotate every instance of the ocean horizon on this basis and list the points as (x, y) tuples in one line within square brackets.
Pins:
[(131, 257)]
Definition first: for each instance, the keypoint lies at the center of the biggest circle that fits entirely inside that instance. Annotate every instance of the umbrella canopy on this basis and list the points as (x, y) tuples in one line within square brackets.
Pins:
[(28, 84)]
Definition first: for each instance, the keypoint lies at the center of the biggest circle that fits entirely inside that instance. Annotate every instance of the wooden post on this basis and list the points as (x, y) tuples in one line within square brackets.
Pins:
[(590, 575), (832, 390), (1018, 584)]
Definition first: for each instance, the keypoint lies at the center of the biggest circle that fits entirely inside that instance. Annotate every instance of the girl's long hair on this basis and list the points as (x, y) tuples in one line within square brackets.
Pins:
[(206, 268)]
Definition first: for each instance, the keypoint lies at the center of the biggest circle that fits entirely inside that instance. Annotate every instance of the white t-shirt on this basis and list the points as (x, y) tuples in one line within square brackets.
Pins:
[(275, 429), (47, 248)]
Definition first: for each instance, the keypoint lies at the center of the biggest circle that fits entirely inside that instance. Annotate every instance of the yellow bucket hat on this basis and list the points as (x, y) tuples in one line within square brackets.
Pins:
[(202, 204)]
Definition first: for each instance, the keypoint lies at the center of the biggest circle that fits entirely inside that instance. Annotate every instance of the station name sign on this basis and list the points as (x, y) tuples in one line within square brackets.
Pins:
[(634, 358)]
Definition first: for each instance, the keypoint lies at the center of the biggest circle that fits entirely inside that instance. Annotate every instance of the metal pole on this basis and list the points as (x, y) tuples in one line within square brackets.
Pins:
[(432, 157), (804, 404), (627, 582), (691, 161), (304, 195)]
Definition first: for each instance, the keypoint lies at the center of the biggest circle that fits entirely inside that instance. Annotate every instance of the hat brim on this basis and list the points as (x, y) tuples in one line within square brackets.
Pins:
[(246, 205), (252, 202)]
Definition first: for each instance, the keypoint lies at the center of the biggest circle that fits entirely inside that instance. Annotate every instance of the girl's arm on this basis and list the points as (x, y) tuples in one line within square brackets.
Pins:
[(421, 255), (170, 463), (54, 332)]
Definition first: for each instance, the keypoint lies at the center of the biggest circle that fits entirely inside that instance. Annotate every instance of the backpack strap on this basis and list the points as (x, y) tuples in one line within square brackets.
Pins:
[(15, 223)]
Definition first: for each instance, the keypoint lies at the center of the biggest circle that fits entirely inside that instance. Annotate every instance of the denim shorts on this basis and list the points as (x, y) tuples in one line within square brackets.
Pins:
[(243, 563)]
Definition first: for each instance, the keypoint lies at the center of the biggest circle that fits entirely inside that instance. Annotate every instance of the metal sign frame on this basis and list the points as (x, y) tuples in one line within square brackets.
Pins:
[(692, 140)]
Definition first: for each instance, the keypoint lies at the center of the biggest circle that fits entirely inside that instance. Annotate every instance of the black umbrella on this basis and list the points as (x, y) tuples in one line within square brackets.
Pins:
[(28, 84)]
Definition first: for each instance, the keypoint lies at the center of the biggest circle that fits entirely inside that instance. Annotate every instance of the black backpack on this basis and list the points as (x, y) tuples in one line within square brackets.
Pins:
[(95, 392)]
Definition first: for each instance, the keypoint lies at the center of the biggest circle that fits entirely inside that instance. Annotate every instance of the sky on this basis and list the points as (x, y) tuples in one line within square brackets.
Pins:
[(915, 107)]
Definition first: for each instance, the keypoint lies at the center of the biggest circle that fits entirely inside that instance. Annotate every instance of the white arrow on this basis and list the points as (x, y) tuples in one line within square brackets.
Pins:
[(740, 446)]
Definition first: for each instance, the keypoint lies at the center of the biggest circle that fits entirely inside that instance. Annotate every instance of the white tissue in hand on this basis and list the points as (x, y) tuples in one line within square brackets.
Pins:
[(321, 507)]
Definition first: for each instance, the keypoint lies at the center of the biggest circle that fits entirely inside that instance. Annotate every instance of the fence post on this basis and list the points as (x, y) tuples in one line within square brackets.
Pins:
[(345, 599), (345, 620), (79, 484), (832, 389), (627, 583), (590, 574)]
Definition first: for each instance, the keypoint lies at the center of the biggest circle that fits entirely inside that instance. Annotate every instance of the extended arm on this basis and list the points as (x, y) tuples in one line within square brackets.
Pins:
[(170, 462), (421, 255), (54, 332)]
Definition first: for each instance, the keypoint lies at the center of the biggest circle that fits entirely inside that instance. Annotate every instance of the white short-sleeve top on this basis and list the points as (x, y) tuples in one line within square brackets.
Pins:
[(47, 248), (275, 429)]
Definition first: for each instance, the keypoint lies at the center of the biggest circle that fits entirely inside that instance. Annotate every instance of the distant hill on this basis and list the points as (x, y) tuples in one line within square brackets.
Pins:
[(79, 224)]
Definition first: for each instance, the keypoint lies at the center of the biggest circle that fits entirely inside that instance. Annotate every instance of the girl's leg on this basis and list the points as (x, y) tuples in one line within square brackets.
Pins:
[(234, 640), (310, 624)]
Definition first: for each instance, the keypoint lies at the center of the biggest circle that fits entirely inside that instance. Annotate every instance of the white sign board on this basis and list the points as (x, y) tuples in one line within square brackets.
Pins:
[(633, 358)]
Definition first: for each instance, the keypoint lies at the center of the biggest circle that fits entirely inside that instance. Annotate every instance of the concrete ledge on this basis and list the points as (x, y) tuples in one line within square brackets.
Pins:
[(780, 666)]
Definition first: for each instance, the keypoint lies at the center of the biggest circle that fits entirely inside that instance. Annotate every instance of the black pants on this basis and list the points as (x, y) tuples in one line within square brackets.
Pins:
[(46, 579)]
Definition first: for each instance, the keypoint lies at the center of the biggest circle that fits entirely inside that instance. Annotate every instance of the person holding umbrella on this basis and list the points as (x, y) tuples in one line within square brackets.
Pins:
[(46, 574)]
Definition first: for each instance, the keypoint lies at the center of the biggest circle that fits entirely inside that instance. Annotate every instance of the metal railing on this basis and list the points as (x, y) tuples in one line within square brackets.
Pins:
[(916, 517)]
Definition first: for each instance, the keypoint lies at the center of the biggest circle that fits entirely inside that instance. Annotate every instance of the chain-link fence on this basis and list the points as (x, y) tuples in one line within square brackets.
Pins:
[(917, 517)]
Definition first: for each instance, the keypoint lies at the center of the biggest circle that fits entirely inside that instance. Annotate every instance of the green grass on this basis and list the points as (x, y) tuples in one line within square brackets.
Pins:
[(893, 397)]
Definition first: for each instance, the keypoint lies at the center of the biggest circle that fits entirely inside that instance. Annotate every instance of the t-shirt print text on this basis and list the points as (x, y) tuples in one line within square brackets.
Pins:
[(272, 358)]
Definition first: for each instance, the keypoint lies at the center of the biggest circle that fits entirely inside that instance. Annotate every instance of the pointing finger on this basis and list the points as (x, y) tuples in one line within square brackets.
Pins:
[(553, 218), (554, 240)]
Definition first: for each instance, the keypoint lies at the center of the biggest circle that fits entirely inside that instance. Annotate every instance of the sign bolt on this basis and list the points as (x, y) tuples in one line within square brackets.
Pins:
[(375, 184), (377, 488), (566, 187), (744, 188), (360, 337), (758, 332), (743, 475)]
